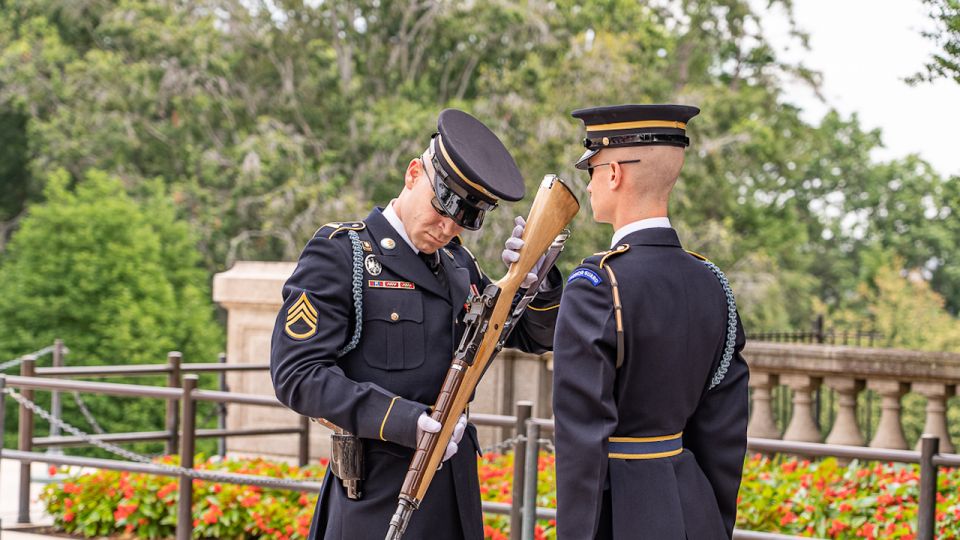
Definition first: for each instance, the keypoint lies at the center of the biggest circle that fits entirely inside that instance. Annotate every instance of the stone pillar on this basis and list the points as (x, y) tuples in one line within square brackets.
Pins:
[(762, 423), (251, 294), (802, 425), (890, 431), (845, 428), (936, 423)]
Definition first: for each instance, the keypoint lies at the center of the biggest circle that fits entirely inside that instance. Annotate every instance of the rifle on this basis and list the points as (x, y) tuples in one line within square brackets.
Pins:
[(489, 321)]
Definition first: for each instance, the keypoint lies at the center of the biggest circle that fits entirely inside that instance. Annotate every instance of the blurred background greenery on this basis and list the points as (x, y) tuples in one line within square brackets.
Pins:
[(146, 145)]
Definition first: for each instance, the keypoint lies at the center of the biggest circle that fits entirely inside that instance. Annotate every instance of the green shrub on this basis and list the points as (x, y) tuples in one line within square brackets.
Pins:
[(111, 502), (786, 495)]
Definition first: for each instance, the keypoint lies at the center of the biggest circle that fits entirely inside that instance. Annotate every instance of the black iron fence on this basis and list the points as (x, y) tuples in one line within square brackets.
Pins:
[(818, 333), (529, 436)]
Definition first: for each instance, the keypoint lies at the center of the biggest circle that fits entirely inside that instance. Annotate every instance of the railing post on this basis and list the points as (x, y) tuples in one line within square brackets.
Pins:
[(173, 411), (55, 405), (530, 480), (926, 517), (187, 446), (222, 409), (3, 415), (25, 441), (303, 452), (522, 410), (508, 361)]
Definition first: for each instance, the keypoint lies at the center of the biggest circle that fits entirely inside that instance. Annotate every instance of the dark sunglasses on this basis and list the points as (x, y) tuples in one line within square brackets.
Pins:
[(590, 168)]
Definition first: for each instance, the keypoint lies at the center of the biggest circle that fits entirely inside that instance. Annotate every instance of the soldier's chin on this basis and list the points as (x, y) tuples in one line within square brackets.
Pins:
[(432, 243)]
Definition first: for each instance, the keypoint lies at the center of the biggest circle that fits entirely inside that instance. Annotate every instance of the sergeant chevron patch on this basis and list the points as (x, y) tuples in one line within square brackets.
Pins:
[(305, 314)]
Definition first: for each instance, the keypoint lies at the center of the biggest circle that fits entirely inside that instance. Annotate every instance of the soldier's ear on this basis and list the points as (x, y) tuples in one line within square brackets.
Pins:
[(414, 173), (616, 176)]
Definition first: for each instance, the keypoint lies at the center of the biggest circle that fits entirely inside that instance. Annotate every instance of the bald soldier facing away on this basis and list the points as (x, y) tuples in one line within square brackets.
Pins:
[(650, 388)]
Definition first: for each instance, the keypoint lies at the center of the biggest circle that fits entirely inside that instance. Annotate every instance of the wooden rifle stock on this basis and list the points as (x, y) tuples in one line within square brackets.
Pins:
[(553, 208)]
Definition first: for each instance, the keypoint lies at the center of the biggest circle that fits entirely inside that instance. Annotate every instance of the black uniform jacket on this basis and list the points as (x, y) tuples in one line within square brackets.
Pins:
[(411, 327), (675, 324)]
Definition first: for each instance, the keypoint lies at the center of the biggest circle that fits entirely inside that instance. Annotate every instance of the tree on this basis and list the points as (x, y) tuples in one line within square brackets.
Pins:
[(266, 119), (946, 35), (119, 281)]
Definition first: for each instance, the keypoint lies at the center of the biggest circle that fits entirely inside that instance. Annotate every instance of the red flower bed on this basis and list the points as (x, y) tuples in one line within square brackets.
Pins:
[(822, 499)]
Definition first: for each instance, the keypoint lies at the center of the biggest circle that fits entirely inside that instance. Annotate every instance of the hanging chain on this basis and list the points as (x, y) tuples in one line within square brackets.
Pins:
[(509, 444), (17, 361), (86, 413), (280, 483), (502, 446)]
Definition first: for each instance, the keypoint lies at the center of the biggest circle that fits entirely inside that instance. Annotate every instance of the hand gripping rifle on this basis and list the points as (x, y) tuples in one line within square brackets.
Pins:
[(489, 321)]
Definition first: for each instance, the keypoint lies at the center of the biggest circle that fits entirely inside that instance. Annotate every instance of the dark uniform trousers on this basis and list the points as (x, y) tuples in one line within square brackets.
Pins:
[(411, 327), (675, 322)]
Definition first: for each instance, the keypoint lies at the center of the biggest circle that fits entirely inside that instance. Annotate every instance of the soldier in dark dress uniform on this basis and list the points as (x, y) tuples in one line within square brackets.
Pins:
[(650, 388), (370, 321)]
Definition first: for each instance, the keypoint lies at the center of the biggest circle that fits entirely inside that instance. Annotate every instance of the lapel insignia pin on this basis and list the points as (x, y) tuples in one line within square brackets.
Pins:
[(388, 243), (372, 265), (367, 246), (303, 312)]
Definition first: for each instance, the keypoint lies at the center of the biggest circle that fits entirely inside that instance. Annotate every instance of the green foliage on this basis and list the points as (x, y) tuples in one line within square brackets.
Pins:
[(145, 506), (902, 306), (827, 500), (781, 495), (945, 63), (118, 280), (264, 122)]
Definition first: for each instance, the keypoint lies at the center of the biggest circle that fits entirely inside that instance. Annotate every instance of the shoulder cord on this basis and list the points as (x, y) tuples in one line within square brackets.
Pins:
[(357, 293), (731, 326), (618, 309)]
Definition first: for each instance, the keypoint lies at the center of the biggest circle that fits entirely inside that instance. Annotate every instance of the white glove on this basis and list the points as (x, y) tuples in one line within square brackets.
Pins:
[(511, 253), (429, 425)]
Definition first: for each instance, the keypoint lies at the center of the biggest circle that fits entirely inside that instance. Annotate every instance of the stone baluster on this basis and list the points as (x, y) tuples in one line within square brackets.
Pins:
[(762, 422), (845, 429), (890, 431), (802, 425), (936, 422)]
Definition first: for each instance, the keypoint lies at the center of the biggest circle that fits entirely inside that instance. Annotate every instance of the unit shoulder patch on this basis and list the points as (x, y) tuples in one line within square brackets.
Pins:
[(587, 274), (301, 318), (335, 227)]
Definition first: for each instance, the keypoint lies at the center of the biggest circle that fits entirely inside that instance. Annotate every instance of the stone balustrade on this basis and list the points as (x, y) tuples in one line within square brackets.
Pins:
[(250, 292), (847, 372)]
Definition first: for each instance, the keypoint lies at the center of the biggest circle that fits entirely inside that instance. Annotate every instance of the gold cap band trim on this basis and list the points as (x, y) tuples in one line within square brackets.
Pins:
[(637, 125)]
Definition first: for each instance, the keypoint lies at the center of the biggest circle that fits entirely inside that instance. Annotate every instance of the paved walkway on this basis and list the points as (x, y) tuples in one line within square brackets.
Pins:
[(9, 500)]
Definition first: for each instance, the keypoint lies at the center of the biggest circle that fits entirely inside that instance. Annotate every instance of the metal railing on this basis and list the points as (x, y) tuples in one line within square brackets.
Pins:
[(180, 435), (526, 444), (819, 334)]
